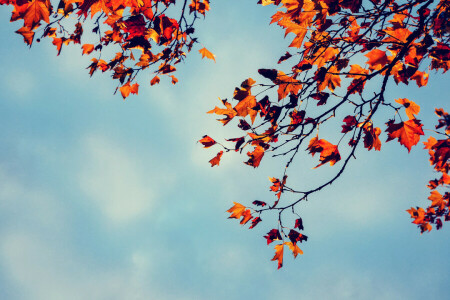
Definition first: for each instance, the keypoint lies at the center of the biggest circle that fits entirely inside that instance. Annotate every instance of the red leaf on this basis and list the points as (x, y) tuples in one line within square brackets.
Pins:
[(408, 133)]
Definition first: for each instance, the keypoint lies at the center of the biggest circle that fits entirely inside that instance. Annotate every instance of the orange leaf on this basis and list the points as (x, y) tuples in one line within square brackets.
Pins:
[(377, 59), (155, 80), (88, 48), (36, 11), (328, 152), (411, 107), (27, 34), (286, 85), (125, 90), (371, 137), (430, 142), (279, 254), (294, 248), (255, 157), (205, 53), (247, 216), (207, 141), (174, 79), (408, 133), (437, 200), (236, 211), (244, 107), (216, 160)]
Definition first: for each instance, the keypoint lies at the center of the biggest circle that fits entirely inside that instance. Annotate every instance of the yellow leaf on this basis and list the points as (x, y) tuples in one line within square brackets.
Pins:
[(206, 53)]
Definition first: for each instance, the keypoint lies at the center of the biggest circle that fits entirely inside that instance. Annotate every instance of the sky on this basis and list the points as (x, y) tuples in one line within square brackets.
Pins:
[(102, 198)]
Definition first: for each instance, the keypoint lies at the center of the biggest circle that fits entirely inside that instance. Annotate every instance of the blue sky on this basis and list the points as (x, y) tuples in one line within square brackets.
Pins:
[(102, 198)]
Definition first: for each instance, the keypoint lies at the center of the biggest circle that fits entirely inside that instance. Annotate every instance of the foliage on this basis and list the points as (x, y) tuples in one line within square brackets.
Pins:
[(345, 52)]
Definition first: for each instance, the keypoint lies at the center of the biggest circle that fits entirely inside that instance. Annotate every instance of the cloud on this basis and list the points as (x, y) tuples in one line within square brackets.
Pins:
[(46, 269), (21, 83), (114, 181)]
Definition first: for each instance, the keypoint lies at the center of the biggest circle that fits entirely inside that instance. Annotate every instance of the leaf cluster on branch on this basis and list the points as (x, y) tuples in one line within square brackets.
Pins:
[(342, 56)]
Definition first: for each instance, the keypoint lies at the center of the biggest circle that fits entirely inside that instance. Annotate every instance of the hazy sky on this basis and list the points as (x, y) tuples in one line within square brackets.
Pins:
[(102, 198)]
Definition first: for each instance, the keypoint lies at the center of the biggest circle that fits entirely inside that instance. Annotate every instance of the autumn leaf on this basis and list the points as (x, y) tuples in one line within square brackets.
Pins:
[(328, 152), (437, 200), (205, 53), (377, 59), (279, 255), (37, 10), (27, 35), (216, 159), (411, 108), (259, 203), (207, 141), (88, 48), (350, 123), (236, 211), (155, 80), (273, 235), (255, 157), (255, 222), (371, 137), (286, 85), (299, 224), (228, 112), (408, 133), (294, 248), (125, 90)]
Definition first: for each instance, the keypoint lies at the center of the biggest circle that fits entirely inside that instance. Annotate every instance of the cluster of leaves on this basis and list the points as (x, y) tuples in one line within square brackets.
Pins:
[(139, 25), (439, 208), (346, 52)]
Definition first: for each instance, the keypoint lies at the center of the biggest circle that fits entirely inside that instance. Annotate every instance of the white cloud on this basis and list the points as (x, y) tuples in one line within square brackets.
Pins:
[(115, 181), (21, 83), (22, 205), (45, 270)]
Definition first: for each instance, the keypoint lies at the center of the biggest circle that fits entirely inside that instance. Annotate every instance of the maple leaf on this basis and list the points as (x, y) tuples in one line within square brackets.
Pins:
[(174, 79), (207, 141), (330, 80), (377, 59), (155, 80), (238, 141), (88, 48), (27, 35), (356, 71), (437, 200), (269, 73), (205, 53), (286, 85), (371, 137), (328, 152), (216, 159), (255, 222), (294, 248), (247, 216), (259, 203), (350, 123), (411, 107), (36, 11), (299, 224), (430, 142), (279, 255), (228, 112), (255, 157), (236, 211), (245, 107), (273, 235), (421, 78), (408, 133)]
